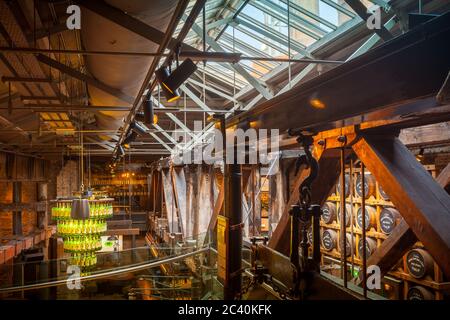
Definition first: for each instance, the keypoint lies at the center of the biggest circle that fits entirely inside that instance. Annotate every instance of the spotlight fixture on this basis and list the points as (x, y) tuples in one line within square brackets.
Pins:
[(138, 129), (120, 151), (130, 137), (171, 82), (148, 111), (161, 75), (139, 116)]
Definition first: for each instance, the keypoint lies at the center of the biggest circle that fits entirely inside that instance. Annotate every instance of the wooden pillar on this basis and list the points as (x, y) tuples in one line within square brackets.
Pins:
[(42, 195), (17, 215)]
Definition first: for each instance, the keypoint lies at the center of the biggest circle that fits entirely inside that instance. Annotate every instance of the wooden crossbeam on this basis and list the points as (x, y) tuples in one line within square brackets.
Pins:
[(361, 10), (321, 188), (424, 205), (393, 248), (280, 237), (444, 178), (400, 240), (84, 77)]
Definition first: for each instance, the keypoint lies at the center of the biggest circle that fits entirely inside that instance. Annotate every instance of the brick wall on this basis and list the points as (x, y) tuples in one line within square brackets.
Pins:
[(68, 179), (29, 218), (5, 216), (30, 172)]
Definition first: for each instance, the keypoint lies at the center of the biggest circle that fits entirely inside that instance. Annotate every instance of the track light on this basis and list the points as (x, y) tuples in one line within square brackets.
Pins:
[(130, 137), (120, 151), (171, 82), (139, 116), (180, 75), (148, 111), (161, 75), (138, 129)]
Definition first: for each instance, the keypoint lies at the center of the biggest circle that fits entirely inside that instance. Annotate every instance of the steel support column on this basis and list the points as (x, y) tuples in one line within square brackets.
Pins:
[(233, 211)]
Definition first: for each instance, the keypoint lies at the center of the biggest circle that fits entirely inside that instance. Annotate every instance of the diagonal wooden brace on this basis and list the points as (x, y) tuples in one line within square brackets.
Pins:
[(423, 203)]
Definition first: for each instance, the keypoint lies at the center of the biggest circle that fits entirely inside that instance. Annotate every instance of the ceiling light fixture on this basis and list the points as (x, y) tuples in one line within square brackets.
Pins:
[(163, 74), (138, 129), (170, 82), (130, 137), (148, 111)]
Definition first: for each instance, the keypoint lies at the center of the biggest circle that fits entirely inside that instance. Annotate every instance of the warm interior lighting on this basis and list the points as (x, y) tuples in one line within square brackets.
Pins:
[(317, 104), (65, 131), (254, 124), (155, 119)]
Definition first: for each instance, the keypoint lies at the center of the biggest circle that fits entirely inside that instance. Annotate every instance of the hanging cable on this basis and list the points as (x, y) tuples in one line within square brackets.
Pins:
[(81, 153), (289, 43), (234, 74), (89, 167)]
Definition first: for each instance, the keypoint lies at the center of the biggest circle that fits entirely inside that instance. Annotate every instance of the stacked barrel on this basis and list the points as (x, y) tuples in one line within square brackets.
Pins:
[(418, 273)]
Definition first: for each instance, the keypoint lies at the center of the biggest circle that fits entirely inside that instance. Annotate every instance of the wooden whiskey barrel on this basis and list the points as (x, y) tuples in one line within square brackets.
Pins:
[(370, 214), (419, 263), (329, 212), (369, 186), (383, 194), (419, 293), (389, 219), (347, 185), (329, 239), (371, 246), (348, 244), (348, 207)]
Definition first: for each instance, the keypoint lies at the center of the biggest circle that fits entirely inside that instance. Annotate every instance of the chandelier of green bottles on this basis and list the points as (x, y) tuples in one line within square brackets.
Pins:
[(82, 231)]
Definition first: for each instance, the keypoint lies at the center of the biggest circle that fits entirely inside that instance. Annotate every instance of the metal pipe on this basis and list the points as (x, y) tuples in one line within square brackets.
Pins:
[(363, 224), (352, 234), (306, 60), (66, 108), (343, 232), (104, 274), (212, 56), (233, 211)]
